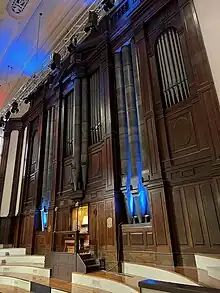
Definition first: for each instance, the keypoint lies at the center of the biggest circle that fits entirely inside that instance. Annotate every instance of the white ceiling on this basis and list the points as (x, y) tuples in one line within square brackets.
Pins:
[(22, 56)]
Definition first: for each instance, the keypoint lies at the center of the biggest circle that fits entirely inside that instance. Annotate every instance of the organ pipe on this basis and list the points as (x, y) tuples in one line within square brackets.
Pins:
[(84, 131), (50, 156), (44, 187), (172, 70), (121, 117), (140, 116), (131, 109), (76, 134), (92, 109)]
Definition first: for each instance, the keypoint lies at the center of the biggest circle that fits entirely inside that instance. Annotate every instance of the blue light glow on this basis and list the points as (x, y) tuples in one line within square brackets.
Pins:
[(44, 213), (18, 56)]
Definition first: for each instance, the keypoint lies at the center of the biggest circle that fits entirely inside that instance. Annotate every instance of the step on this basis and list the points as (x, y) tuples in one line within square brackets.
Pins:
[(11, 289), (12, 251), (148, 272), (89, 261), (203, 261), (85, 255), (42, 272), (214, 272), (11, 281), (92, 268), (102, 282), (32, 260), (6, 246)]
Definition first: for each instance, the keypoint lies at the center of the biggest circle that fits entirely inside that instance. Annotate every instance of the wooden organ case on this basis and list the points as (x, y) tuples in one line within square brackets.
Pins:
[(78, 141)]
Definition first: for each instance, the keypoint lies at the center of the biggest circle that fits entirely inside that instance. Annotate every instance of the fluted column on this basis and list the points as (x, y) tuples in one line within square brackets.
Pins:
[(123, 133), (84, 133), (76, 134)]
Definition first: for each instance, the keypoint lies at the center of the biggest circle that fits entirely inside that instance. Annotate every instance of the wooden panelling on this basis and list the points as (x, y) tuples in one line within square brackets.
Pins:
[(197, 217)]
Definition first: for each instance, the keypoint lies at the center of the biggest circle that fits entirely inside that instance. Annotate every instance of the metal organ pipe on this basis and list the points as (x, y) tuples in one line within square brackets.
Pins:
[(140, 116), (50, 156), (172, 70), (46, 154), (95, 107), (122, 127), (91, 109), (84, 133), (131, 109), (76, 134)]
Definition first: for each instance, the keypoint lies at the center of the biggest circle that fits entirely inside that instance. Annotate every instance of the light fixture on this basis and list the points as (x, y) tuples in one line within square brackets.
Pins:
[(14, 107), (56, 59), (7, 115), (108, 4), (92, 21), (72, 45)]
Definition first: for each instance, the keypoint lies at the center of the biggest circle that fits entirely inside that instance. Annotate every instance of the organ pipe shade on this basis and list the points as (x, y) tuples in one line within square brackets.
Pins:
[(171, 68)]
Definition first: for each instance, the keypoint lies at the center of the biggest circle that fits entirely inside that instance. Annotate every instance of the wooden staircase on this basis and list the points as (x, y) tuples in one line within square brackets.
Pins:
[(90, 262)]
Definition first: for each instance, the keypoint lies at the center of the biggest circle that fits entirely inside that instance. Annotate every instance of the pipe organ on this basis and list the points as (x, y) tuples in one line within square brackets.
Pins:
[(130, 116), (48, 157), (127, 125)]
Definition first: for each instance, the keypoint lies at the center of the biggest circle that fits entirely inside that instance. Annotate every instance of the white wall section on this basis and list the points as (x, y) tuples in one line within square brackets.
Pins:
[(209, 21), (21, 171), (9, 174)]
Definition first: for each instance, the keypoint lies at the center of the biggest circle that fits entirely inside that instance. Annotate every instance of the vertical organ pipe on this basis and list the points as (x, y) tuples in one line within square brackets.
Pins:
[(140, 116), (121, 105), (171, 69), (163, 76), (71, 123), (99, 108), (84, 133), (95, 107), (46, 154), (131, 109), (50, 155), (91, 109), (167, 74), (180, 95), (121, 117), (76, 134)]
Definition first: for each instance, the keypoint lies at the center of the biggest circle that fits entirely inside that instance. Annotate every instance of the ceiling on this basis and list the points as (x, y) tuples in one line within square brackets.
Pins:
[(28, 38)]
